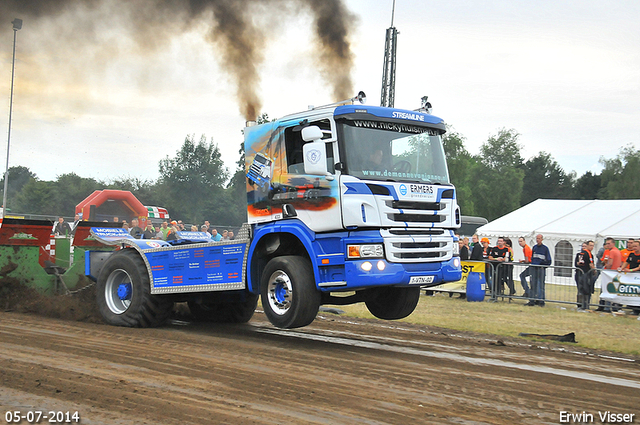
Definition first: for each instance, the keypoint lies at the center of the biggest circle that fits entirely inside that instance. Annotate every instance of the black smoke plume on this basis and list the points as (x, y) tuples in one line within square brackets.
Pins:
[(238, 41)]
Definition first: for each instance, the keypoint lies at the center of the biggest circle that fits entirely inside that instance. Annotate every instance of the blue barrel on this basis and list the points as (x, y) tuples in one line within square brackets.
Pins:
[(475, 286)]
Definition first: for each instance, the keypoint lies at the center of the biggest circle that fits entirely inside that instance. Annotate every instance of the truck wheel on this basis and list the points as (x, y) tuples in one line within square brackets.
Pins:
[(221, 312), (288, 291), (390, 303), (124, 295)]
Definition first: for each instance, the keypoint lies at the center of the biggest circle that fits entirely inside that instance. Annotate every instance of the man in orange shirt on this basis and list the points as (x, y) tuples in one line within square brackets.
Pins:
[(526, 250), (628, 250), (632, 263), (613, 257), (613, 260)]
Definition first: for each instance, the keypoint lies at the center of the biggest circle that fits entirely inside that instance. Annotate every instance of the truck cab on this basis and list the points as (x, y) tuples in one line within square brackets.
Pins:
[(361, 194)]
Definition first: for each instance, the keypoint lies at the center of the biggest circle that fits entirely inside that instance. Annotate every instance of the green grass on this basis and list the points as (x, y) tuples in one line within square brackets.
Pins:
[(599, 331)]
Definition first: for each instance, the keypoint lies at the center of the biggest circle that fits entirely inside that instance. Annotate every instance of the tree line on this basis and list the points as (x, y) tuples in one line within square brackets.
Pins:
[(195, 185), (498, 180)]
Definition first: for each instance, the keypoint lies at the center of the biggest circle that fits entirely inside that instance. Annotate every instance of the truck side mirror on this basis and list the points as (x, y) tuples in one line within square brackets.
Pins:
[(315, 158), (311, 133)]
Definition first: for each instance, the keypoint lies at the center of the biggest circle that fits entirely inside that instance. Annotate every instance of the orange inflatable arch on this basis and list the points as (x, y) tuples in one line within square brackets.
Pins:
[(106, 204)]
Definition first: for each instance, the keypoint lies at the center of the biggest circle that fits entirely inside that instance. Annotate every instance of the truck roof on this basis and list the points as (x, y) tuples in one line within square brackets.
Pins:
[(377, 111), (383, 112)]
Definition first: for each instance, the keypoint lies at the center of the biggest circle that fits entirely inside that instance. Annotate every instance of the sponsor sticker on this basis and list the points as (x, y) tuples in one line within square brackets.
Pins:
[(421, 191)]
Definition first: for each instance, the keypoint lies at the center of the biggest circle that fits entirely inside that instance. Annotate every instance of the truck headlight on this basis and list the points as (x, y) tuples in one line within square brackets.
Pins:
[(365, 251), (456, 248)]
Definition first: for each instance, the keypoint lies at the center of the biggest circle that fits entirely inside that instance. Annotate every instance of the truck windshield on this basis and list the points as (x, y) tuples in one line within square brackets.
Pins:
[(376, 150)]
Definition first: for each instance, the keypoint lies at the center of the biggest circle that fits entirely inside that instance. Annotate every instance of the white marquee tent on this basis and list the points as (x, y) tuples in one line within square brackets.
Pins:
[(565, 224)]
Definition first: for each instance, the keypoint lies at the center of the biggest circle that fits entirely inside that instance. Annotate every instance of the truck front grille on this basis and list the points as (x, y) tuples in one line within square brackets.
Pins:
[(416, 232), (415, 211), (414, 246), (411, 205), (416, 218)]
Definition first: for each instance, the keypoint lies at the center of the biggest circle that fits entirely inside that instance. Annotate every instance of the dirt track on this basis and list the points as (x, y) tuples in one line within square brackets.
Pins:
[(336, 371)]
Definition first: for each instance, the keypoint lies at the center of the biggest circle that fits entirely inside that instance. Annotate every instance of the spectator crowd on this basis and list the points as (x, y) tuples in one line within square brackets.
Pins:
[(166, 230), (499, 261)]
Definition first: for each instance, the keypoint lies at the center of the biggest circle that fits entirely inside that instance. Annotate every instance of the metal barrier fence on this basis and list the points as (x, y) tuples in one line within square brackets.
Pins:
[(540, 284)]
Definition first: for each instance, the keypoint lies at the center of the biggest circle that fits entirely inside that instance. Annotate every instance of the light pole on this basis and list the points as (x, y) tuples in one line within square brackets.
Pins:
[(17, 24)]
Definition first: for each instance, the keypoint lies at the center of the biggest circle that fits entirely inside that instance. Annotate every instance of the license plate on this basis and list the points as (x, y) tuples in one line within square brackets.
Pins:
[(420, 280)]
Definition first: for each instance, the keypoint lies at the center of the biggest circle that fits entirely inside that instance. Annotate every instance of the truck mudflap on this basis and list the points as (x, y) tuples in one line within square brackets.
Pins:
[(193, 263)]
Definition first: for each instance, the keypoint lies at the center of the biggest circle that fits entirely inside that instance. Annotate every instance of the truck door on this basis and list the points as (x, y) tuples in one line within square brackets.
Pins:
[(310, 198)]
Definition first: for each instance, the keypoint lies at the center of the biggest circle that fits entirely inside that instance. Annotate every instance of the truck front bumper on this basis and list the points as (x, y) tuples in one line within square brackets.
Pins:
[(379, 272)]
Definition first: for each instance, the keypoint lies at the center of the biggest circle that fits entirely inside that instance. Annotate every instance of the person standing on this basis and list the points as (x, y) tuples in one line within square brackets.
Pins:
[(600, 256), (462, 249), (624, 253), (486, 250), (510, 284), (215, 235), (476, 249), (526, 252), (540, 257), (150, 232), (584, 263), (593, 274), (74, 225), (632, 263), (61, 228), (164, 228), (612, 261), (172, 234), (498, 255), (465, 241), (136, 230)]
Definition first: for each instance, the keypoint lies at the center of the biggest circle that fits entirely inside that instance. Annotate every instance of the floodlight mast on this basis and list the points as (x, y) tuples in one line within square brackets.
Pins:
[(388, 92), (17, 25)]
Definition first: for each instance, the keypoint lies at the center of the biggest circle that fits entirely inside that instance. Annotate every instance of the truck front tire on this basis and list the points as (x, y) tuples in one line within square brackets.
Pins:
[(288, 292), (391, 303), (124, 294)]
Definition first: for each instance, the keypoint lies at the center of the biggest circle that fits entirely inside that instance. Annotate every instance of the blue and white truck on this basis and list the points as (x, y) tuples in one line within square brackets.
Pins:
[(346, 203)]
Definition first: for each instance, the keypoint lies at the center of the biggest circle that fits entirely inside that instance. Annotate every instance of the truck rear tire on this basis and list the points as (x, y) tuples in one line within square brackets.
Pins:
[(225, 312), (391, 303), (124, 294), (288, 292)]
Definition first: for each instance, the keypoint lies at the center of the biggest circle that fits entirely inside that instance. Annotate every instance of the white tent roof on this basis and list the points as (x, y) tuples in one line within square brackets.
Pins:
[(569, 219)]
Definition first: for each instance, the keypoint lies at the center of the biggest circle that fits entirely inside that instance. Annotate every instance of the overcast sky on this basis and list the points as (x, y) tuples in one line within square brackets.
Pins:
[(564, 74)]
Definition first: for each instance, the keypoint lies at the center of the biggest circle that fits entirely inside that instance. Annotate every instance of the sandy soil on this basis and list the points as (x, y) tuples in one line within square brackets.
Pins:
[(335, 371)]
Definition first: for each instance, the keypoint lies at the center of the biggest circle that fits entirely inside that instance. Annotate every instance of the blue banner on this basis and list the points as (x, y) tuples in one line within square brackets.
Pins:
[(218, 264), (118, 235), (194, 236)]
